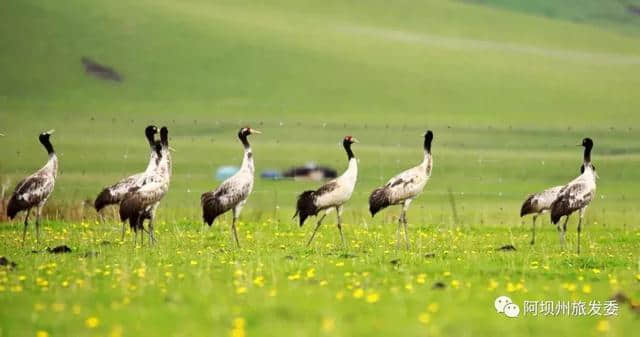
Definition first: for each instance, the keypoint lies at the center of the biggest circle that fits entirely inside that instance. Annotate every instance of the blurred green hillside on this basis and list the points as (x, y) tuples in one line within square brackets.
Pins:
[(507, 93)]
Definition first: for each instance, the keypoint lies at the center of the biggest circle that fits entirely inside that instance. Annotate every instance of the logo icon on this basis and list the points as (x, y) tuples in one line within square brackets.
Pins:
[(504, 305)]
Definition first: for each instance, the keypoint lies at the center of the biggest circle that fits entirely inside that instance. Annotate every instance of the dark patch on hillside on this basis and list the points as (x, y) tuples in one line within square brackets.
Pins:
[(100, 71)]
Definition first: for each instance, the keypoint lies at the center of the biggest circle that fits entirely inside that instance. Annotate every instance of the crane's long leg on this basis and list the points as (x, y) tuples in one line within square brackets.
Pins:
[(563, 231), (316, 229), (236, 214), (38, 214), (139, 226), (124, 229), (339, 214), (26, 224), (533, 229), (398, 230), (580, 227), (152, 239), (405, 207), (152, 215)]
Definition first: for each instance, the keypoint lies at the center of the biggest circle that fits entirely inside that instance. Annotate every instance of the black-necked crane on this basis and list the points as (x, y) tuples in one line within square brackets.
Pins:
[(537, 204), (233, 192), (330, 196), (403, 188), (34, 190), (140, 203), (577, 194), (113, 194)]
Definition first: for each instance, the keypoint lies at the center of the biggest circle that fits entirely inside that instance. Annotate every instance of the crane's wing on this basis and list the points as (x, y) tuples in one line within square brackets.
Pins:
[(406, 185), (572, 197), (139, 198)]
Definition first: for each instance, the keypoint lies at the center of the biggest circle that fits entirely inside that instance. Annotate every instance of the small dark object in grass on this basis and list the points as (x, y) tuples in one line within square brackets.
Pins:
[(507, 248), (35, 251), (439, 285), (622, 298), (59, 250), (430, 255), (105, 243), (395, 262), (288, 257), (7, 263)]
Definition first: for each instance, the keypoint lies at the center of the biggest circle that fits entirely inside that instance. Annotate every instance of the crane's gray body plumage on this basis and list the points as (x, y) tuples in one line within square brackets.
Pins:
[(232, 194), (539, 203), (34, 190), (332, 195), (577, 194), (141, 203), (114, 194), (403, 188)]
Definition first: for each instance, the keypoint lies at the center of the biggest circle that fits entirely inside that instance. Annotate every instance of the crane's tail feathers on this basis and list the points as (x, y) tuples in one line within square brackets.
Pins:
[(130, 208), (306, 207), (527, 206), (559, 208), (16, 205), (378, 200), (105, 198), (211, 207)]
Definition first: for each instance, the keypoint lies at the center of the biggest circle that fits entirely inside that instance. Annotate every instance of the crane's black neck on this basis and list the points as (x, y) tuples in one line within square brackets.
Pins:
[(164, 136), (243, 138), (347, 148), (44, 140), (157, 147), (150, 133), (587, 153), (428, 137)]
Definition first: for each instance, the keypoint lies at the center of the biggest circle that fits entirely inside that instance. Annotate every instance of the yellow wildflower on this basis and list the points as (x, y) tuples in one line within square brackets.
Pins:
[(328, 324), (424, 318), (602, 325), (92, 322), (373, 297)]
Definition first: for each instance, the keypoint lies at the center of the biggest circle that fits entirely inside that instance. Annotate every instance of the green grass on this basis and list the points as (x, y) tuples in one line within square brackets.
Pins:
[(194, 283), (507, 92)]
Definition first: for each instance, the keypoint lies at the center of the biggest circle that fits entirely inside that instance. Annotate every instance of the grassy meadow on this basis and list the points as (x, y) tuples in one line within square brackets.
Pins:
[(508, 89)]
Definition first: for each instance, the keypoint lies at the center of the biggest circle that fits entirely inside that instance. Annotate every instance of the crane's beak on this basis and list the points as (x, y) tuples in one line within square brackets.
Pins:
[(51, 131), (172, 149), (354, 140), (255, 131)]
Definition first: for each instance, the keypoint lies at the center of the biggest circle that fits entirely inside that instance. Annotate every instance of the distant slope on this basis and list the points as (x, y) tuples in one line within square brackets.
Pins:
[(620, 15), (446, 62)]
